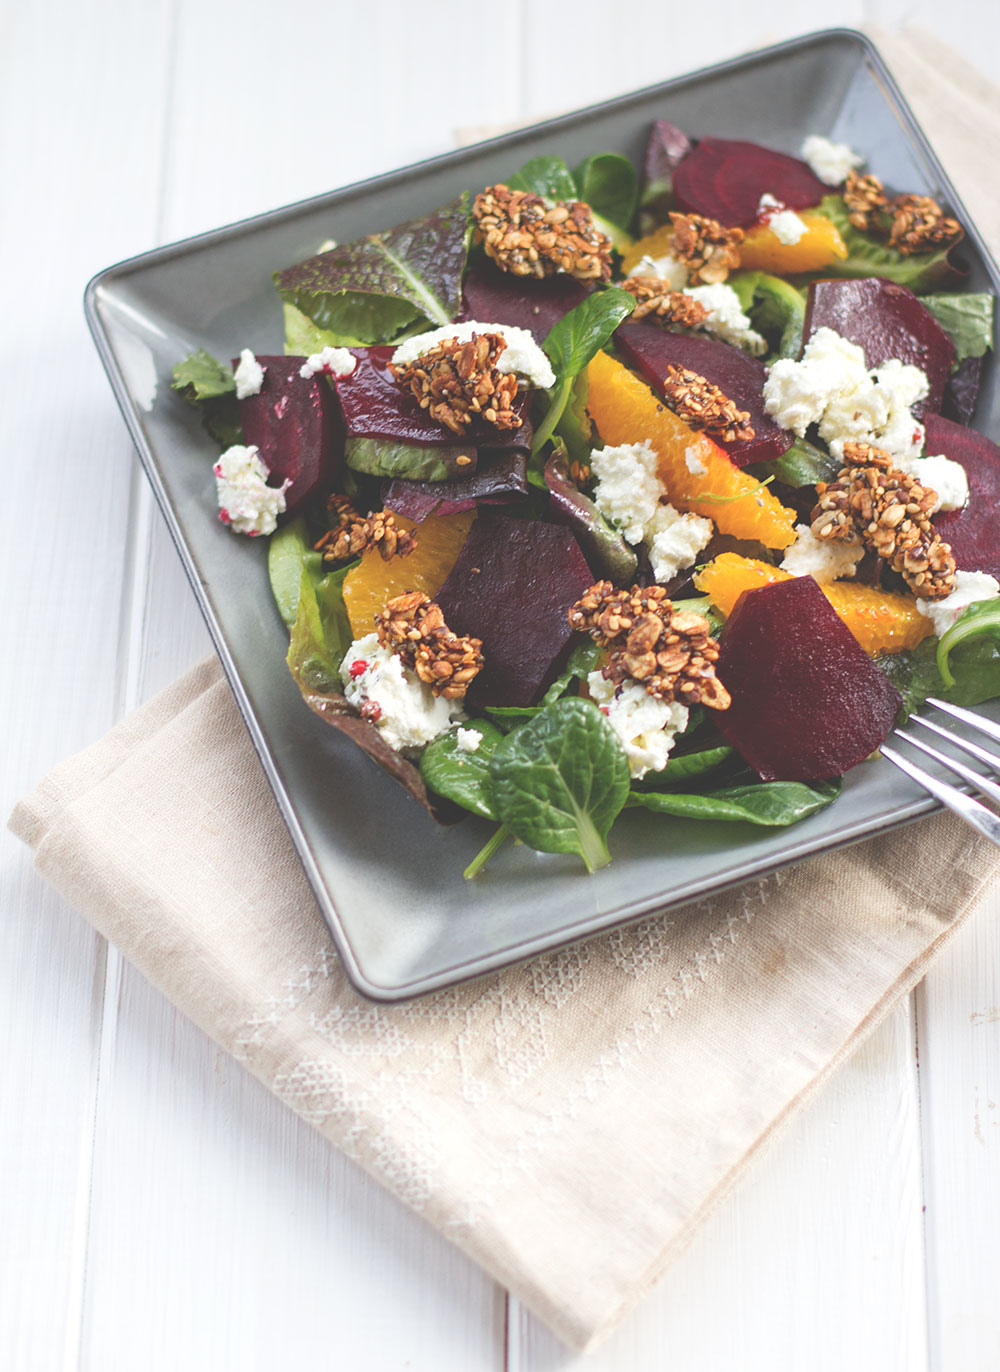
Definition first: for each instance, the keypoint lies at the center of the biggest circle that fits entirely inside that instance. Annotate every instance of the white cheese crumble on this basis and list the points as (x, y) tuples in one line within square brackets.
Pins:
[(830, 162), (674, 541), (969, 587), (246, 502), (327, 245), (947, 479), (646, 726), (406, 712), (784, 223), (468, 740), (332, 361), (249, 375), (667, 268), (631, 496), (694, 463), (726, 318), (824, 559), (831, 386), (522, 354)]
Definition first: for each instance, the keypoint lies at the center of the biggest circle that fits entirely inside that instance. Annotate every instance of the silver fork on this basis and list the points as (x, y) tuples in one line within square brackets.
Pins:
[(963, 805)]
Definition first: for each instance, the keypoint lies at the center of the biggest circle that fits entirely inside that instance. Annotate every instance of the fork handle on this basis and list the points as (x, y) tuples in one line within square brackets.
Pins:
[(964, 806)]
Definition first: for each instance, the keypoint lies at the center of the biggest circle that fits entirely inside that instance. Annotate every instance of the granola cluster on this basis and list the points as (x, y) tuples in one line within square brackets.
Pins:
[(456, 380), (912, 223), (708, 250), (528, 237), (889, 512), (670, 653), (703, 406), (412, 626), (657, 302), (354, 534)]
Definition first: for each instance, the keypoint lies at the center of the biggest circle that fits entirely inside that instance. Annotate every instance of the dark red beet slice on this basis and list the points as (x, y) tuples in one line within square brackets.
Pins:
[(886, 321), (375, 407), (512, 586), (724, 180), (962, 390), (498, 478), (808, 702), (974, 531), (295, 423), (497, 297), (741, 377)]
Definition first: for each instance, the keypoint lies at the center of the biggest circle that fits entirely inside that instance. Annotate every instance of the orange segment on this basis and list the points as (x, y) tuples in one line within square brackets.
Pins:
[(821, 244), (881, 621), (372, 582), (655, 244), (625, 410)]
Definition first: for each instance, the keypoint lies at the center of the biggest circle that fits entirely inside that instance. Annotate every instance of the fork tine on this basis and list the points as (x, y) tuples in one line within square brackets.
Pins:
[(973, 749), (964, 806), (985, 726), (980, 783)]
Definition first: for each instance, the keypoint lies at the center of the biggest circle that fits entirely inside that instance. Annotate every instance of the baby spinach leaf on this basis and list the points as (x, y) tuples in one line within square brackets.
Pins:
[(867, 256), (980, 621), (209, 385), (681, 769), (461, 776), (559, 781), (373, 288), (546, 176), (770, 803), (607, 182), (967, 318), (804, 464), (572, 342)]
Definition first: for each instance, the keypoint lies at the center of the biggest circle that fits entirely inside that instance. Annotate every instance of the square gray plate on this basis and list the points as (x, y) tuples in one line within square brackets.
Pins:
[(388, 879)]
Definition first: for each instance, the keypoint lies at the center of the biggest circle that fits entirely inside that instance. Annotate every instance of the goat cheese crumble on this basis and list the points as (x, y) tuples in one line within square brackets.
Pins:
[(522, 354), (784, 223), (631, 496), (969, 587), (646, 726), (831, 386), (726, 318), (669, 269), (246, 502), (249, 375), (946, 478), (332, 361), (830, 162), (468, 740), (824, 559), (406, 712)]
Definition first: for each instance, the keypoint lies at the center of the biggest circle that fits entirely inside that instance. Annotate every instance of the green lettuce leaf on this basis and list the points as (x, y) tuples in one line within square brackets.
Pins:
[(867, 256), (409, 461), (205, 382), (967, 318), (370, 290)]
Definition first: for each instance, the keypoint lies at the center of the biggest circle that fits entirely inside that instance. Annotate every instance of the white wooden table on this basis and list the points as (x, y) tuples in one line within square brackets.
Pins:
[(158, 1209)]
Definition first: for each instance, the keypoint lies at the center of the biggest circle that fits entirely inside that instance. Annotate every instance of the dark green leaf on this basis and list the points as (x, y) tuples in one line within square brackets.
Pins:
[(303, 337), (967, 318), (804, 464), (458, 775), (584, 658), (981, 621), (546, 176), (867, 256), (603, 546), (776, 309), (289, 553), (688, 766), (701, 605), (202, 377), (607, 182), (370, 290), (559, 781), (769, 803), (309, 659), (411, 461), (572, 342)]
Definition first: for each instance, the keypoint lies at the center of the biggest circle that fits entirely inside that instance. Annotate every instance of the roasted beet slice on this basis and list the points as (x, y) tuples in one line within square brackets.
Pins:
[(295, 423), (886, 321), (962, 390), (496, 297), (512, 586), (498, 478), (974, 531), (808, 702), (650, 350), (375, 407), (724, 180)]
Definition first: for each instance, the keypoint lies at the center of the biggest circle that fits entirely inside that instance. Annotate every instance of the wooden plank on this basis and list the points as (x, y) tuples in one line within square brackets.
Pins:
[(815, 1260)]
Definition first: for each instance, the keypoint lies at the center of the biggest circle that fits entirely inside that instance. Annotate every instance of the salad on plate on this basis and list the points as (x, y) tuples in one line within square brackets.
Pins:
[(610, 487)]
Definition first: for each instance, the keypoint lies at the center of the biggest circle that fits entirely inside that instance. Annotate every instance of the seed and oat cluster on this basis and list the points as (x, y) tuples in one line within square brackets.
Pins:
[(889, 511), (355, 534), (708, 250), (455, 380), (703, 405), (655, 299), (528, 237), (672, 654), (912, 223), (413, 627)]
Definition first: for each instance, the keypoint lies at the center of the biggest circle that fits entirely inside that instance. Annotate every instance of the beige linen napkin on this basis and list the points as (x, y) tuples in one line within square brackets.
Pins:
[(568, 1122)]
